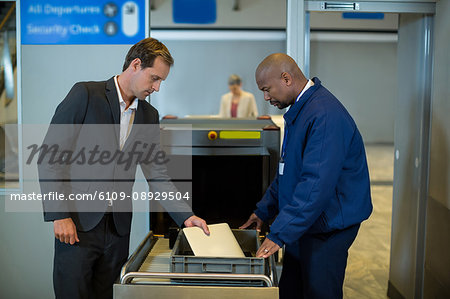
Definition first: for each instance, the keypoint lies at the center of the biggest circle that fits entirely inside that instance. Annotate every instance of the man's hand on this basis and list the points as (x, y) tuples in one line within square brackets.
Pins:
[(65, 231), (252, 219), (267, 248), (197, 221)]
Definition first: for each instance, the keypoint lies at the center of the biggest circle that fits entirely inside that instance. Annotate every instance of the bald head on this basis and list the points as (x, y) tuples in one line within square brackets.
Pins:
[(280, 78), (278, 63)]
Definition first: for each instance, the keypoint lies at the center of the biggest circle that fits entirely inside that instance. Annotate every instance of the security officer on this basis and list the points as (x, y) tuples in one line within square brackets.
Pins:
[(321, 192)]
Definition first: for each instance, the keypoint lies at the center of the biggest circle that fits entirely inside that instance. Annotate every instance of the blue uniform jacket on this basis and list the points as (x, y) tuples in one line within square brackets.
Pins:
[(325, 182)]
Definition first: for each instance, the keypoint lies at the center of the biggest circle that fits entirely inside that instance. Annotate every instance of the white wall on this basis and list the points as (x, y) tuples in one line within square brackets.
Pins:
[(363, 76), (200, 74), (252, 14)]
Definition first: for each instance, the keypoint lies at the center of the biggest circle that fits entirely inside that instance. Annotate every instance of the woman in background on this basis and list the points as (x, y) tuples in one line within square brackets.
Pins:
[(237, 103)]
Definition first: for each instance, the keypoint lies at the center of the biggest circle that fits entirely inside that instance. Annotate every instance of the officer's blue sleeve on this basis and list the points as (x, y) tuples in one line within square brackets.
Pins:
[(267, 207), (323, 159)]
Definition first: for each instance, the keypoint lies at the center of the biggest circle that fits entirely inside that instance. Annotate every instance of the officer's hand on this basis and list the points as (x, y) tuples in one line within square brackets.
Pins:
[(267, 248), (65, 231), (252, 219), (197, 221)]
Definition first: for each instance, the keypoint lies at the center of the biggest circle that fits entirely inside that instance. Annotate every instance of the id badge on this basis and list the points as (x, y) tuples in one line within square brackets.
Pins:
[(281, 168)]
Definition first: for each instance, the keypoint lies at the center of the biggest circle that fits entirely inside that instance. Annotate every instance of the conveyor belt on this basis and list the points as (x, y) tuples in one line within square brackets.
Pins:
[(147, 275), (158, 260)]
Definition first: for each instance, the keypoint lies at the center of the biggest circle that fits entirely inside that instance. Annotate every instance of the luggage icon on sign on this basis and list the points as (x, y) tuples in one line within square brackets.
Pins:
[(130, 24)]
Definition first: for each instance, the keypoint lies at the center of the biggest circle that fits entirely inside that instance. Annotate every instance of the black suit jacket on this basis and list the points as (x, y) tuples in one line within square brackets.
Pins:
[(87, 119)]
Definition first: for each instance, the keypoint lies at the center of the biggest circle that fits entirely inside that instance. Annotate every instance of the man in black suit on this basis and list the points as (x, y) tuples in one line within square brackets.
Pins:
[(92, 238)]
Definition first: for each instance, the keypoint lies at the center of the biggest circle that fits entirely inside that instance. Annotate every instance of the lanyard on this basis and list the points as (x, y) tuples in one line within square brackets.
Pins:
[(283, 148)]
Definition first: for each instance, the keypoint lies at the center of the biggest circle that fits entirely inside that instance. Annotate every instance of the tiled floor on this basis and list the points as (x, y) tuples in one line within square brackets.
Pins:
[(368, 263)]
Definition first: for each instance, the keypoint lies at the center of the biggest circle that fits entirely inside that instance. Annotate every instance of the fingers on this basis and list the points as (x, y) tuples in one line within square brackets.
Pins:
[(59, 232), (265, 253), (199, 222), (65, 231), (253, 219), (246, 224), (205, 227), (258, 226), (67, 237), (187, 222), (267, 249), (258, 222), (73, 237)]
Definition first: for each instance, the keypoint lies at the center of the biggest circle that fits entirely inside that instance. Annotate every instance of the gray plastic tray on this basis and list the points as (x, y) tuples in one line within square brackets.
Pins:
[(184, 261)]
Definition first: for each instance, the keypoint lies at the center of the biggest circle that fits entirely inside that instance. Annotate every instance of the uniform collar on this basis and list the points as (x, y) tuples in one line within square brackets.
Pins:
[(307, 86), (295, 108)]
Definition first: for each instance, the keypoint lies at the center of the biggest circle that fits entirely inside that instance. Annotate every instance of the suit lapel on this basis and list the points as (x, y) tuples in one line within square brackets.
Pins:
[(113, 101), (138, 120), (139, 116)]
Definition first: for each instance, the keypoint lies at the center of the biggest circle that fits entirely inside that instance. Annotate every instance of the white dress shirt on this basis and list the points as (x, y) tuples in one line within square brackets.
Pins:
[(126, 115)]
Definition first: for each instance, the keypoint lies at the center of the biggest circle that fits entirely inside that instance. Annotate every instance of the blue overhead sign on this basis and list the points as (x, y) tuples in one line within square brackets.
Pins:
[(66, 22), (194, 11), (363, 15)]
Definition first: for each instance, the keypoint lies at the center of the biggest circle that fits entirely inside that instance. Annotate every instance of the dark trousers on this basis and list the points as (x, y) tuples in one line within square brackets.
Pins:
[(314, 267), (89, 268)]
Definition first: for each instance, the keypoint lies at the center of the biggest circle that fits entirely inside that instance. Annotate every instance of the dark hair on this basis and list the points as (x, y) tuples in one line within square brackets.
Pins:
[(147, 50), (234, 80)]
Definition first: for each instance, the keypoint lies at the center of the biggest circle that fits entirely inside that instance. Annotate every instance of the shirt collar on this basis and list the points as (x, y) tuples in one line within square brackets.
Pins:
[(307, 86), (296, 107), (121, 101)]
